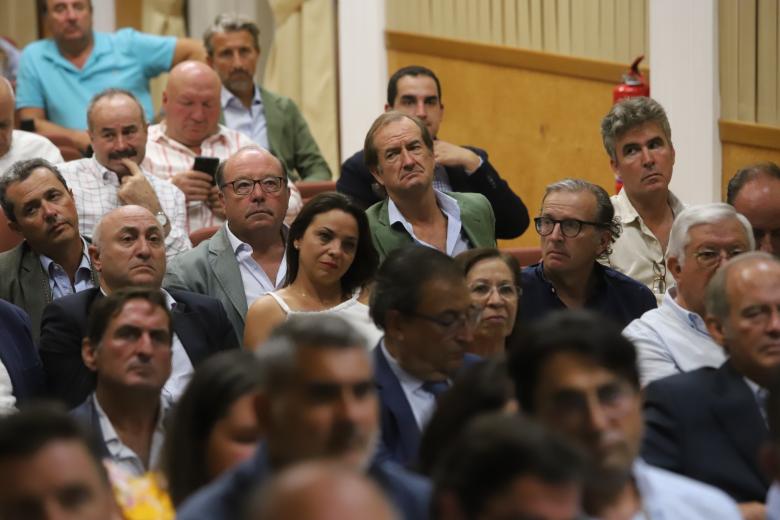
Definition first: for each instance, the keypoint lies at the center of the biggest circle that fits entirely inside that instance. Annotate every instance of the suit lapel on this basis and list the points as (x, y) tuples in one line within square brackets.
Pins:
[(472, 223), (737, 412), (392, 396), (33, 283), (273, 120), (226, 271), (391, 237), (187, 326)]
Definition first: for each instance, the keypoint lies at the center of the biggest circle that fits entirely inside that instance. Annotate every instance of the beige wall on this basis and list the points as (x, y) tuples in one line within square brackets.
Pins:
[(19, 21)]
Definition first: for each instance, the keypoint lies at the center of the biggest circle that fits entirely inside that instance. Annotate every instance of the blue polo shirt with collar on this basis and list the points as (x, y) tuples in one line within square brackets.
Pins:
[(126, 59)]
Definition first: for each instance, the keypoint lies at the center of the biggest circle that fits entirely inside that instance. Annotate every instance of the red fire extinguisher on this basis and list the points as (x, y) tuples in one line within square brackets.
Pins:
[(633, 85)]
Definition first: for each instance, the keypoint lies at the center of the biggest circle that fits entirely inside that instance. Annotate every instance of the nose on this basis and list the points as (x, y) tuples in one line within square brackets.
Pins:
[(407, 161), (420, 110), (348, 407), (143, 249), (597, 417), (48, 209), (197, 113), (144, 346), (494, 299), (120, 141), (257, 193), (647, 157), (557, 232), (774, 322)]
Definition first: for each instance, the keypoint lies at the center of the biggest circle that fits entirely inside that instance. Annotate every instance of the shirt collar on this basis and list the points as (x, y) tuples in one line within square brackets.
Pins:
[(113, 443), (409, 382), (626, 212), (47, 262), (690, 317), (228, 98), (237, 245), (448, 205), (157, 133)]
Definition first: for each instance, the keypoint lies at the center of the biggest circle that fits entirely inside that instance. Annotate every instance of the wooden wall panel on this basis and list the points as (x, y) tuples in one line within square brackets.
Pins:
[(767, 53), (537, 127), (736, 156), (746, 66)]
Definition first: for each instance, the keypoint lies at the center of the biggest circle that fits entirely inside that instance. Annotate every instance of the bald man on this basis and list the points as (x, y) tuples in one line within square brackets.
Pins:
[(191, 128), (321, 491), (16, 145)]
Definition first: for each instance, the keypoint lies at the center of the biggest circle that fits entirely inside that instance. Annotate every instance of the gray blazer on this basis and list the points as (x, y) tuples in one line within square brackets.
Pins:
[(211, 268), (24, 283)]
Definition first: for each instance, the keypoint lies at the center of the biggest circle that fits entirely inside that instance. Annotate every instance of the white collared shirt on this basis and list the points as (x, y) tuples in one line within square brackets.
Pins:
[(422, 402), (256, 281), (121, 454), (59, 281), (456, 241), (96, 189), (249, 121), (7, 398), (181, 365)]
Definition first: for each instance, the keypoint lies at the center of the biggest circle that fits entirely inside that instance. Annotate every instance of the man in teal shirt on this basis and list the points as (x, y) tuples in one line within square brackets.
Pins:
[(59, 75)]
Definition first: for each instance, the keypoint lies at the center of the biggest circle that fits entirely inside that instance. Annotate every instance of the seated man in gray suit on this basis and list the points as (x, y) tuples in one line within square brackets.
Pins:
[(245, 258), (53, 260), (399, 154)]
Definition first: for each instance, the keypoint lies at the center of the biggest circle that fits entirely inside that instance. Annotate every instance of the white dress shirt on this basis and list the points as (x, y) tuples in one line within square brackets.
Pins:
[(7, 399), (181, 365), (456, 239), (96, 188), (27, 145), (256, 281)]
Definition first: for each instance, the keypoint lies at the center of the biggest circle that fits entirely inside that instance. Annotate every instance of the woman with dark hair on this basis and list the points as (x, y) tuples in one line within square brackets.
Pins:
[(214, 424), (330, 261), (493, 279)]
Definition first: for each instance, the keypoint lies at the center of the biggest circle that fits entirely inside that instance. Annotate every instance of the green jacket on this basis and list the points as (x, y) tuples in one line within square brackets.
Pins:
[(476, 216)]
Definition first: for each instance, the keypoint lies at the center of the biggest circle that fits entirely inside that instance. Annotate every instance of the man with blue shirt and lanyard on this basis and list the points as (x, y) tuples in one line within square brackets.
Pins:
[(59, 75)]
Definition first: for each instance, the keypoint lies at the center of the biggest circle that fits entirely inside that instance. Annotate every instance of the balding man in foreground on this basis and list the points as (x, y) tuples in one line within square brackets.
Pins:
[(16, 145)]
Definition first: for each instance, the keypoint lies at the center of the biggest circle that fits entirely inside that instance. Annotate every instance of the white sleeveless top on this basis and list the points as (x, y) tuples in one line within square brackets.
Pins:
[(353, 311)]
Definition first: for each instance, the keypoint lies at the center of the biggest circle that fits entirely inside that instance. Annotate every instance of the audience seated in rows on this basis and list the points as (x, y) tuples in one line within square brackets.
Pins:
[(113, 176), (53, 259), (214, 425), (674, 338), (575, 373), (709, 424), (638, 140), (421, 302), (577, 227), (493, 280), (245, 258), (399, 154), (21, 372), (317, 400), (128, 250), (503, 466), (128, 345), (59, 75), (330, 262), (416, 91), (320, 491), (754, 191), (270, 120), (16, 145)]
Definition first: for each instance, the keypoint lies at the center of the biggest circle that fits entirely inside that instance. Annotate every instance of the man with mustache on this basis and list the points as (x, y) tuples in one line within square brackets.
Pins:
[(245, 258), (127, 250), (316, 401), (272, 121), (577, 226), (114, 177), (638, 140)]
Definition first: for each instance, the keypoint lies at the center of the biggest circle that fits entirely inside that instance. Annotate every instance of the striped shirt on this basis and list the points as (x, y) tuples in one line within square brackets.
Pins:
[(96, 188)]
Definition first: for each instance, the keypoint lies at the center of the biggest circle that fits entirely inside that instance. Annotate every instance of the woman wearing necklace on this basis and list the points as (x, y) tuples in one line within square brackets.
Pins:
[(330, 260)]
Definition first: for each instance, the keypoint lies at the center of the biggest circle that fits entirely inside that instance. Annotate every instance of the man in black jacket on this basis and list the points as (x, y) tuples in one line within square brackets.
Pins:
[(127, 250), (416, 91)]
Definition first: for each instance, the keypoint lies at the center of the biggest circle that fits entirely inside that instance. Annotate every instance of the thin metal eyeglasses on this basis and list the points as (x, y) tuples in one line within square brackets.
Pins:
[(243, 187), (505, 291), (709, 258), (451, 322), (570, 227)]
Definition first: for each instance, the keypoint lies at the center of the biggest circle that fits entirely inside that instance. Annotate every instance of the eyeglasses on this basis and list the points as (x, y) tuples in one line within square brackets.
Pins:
[(505, 291), (243, 187), (659, 277), (570, 227), (709, 258), (452, 322)]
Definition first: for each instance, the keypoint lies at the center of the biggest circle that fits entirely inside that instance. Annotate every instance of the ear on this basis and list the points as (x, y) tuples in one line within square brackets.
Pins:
[(716, 329), (377, 174), (614, 165), (14, 226), (394, 324), (210, 61), (165, 97), (674, 267), (89, 355), (297, 243), (94, 256), (604, 241), (388, 108)]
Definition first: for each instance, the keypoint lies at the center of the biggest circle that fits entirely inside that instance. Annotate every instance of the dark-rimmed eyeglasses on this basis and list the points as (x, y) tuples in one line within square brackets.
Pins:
[(243, 187), (570, 227), (452, 322)]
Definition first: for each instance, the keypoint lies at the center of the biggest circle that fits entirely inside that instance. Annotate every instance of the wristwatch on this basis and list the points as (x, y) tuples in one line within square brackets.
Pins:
[(162, 218)]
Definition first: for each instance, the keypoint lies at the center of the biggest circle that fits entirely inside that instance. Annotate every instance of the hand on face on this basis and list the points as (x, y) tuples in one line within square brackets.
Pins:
[(136, 189), (448, 154)]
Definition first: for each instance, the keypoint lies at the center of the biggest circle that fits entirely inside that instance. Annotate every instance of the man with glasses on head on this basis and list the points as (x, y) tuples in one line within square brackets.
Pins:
[(674, 338), (422, 303), (577, 227), (245, 257)]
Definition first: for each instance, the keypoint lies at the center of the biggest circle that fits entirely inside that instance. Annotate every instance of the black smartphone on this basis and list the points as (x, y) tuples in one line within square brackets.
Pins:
[(206, 165), (28, 125)]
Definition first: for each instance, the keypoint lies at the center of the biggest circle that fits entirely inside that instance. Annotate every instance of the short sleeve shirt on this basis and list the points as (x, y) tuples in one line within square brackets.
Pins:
[(125, 59)]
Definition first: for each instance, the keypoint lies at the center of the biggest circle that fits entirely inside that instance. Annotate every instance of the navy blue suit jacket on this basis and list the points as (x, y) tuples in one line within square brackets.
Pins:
[(706, 425), (18, 353), (225, 498), (86, 414), (400, 439), (511, 214), (199, 321)]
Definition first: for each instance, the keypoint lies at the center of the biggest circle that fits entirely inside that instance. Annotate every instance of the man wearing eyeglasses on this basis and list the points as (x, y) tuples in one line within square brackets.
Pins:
[(709, 424), (421, 302), (577, 227), (674, 338), (754, 191), (245, 258)]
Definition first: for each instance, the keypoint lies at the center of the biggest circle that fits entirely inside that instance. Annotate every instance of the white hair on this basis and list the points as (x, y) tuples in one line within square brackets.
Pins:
[(679, 236)]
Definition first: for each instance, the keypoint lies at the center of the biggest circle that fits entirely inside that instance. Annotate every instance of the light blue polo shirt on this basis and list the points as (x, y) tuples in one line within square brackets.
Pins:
[(125, 59)]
